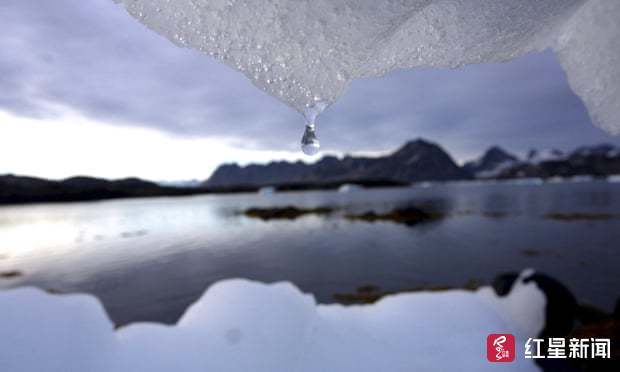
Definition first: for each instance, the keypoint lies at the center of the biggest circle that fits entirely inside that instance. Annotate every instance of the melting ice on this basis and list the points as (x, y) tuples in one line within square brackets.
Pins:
[(238, 325), (308, 51), (309, 142)]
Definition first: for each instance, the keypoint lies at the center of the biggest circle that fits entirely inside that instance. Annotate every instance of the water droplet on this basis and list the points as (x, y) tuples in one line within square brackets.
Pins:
[(309, 142)]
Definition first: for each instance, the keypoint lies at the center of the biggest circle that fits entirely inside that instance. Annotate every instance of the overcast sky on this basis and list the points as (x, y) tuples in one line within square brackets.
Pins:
[(86, 89)]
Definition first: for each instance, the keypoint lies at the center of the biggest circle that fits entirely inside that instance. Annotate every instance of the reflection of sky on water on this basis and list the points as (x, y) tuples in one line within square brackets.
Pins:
[(147, 259)]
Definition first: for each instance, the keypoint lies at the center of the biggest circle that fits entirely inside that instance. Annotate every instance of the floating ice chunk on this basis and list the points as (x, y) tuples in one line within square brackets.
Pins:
[(307, 51), (267, 190), (239, 325), (614, 178), (350, 187)]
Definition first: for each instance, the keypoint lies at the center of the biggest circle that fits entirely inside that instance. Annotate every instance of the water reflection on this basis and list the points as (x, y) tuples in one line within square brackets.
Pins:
[(147, 259)]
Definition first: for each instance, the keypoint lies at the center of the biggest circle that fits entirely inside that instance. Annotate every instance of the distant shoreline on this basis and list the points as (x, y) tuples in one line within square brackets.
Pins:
[(16, 190), (21, 190)]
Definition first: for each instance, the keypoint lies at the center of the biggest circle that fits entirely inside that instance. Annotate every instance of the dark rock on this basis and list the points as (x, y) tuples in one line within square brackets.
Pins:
[(10, 274), (502, 284), (289, 212), (408, 216), (561, 309), (579, 216)]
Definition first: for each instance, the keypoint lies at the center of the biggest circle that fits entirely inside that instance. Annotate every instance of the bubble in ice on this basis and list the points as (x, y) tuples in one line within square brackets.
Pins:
[(298, 50)]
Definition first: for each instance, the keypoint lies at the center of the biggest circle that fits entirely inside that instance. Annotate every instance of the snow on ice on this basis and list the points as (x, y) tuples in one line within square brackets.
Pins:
[(240, 325)]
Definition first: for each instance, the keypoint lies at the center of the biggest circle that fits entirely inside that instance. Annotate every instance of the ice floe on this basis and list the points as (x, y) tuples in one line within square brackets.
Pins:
[(240, 325)]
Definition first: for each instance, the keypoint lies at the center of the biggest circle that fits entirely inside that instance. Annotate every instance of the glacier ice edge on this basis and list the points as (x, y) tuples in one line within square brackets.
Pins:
[(307, 52)]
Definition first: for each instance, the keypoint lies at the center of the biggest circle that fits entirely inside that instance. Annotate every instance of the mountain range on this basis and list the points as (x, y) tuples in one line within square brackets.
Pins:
[(421, 160), (21, 189), (415, 161)]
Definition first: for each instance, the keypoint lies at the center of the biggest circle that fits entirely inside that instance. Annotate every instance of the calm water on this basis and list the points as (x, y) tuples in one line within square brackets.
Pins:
[(148, 259)]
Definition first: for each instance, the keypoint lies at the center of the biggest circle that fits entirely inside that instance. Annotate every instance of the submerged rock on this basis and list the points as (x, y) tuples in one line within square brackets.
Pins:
[(579, 216), (288, 212), (408, 216), (10, 274), (370, 293)]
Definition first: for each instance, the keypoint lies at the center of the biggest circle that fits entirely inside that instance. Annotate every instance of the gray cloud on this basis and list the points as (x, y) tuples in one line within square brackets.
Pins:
[(94, 58)]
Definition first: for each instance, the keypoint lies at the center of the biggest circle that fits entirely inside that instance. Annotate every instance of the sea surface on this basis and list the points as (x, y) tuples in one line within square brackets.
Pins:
[(149, 259)]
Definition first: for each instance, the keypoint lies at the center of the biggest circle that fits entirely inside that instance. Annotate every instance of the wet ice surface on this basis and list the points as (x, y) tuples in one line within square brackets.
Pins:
[(307, 52), (148, 259)]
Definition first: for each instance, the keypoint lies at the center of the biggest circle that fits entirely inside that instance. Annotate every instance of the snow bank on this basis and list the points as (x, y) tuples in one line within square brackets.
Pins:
[(306, 52), (239, 325)]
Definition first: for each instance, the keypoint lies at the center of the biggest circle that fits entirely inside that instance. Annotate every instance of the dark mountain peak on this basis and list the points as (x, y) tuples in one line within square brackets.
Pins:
[(326, 161), (85, 182), (498, 154), (414, 146), (13, 177), (417, 141), (493, 157), (420, 147), (134, 182), (78, 179), (419, 150), (229, 166), (8, 181)]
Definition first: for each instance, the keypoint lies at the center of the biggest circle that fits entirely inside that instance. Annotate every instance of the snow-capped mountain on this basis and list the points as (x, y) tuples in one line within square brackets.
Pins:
[(491, 163), (597, 160), (538, 156)]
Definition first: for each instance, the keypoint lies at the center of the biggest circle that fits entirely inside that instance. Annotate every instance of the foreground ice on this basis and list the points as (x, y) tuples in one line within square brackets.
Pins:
[(239, 325), (306, 52)]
